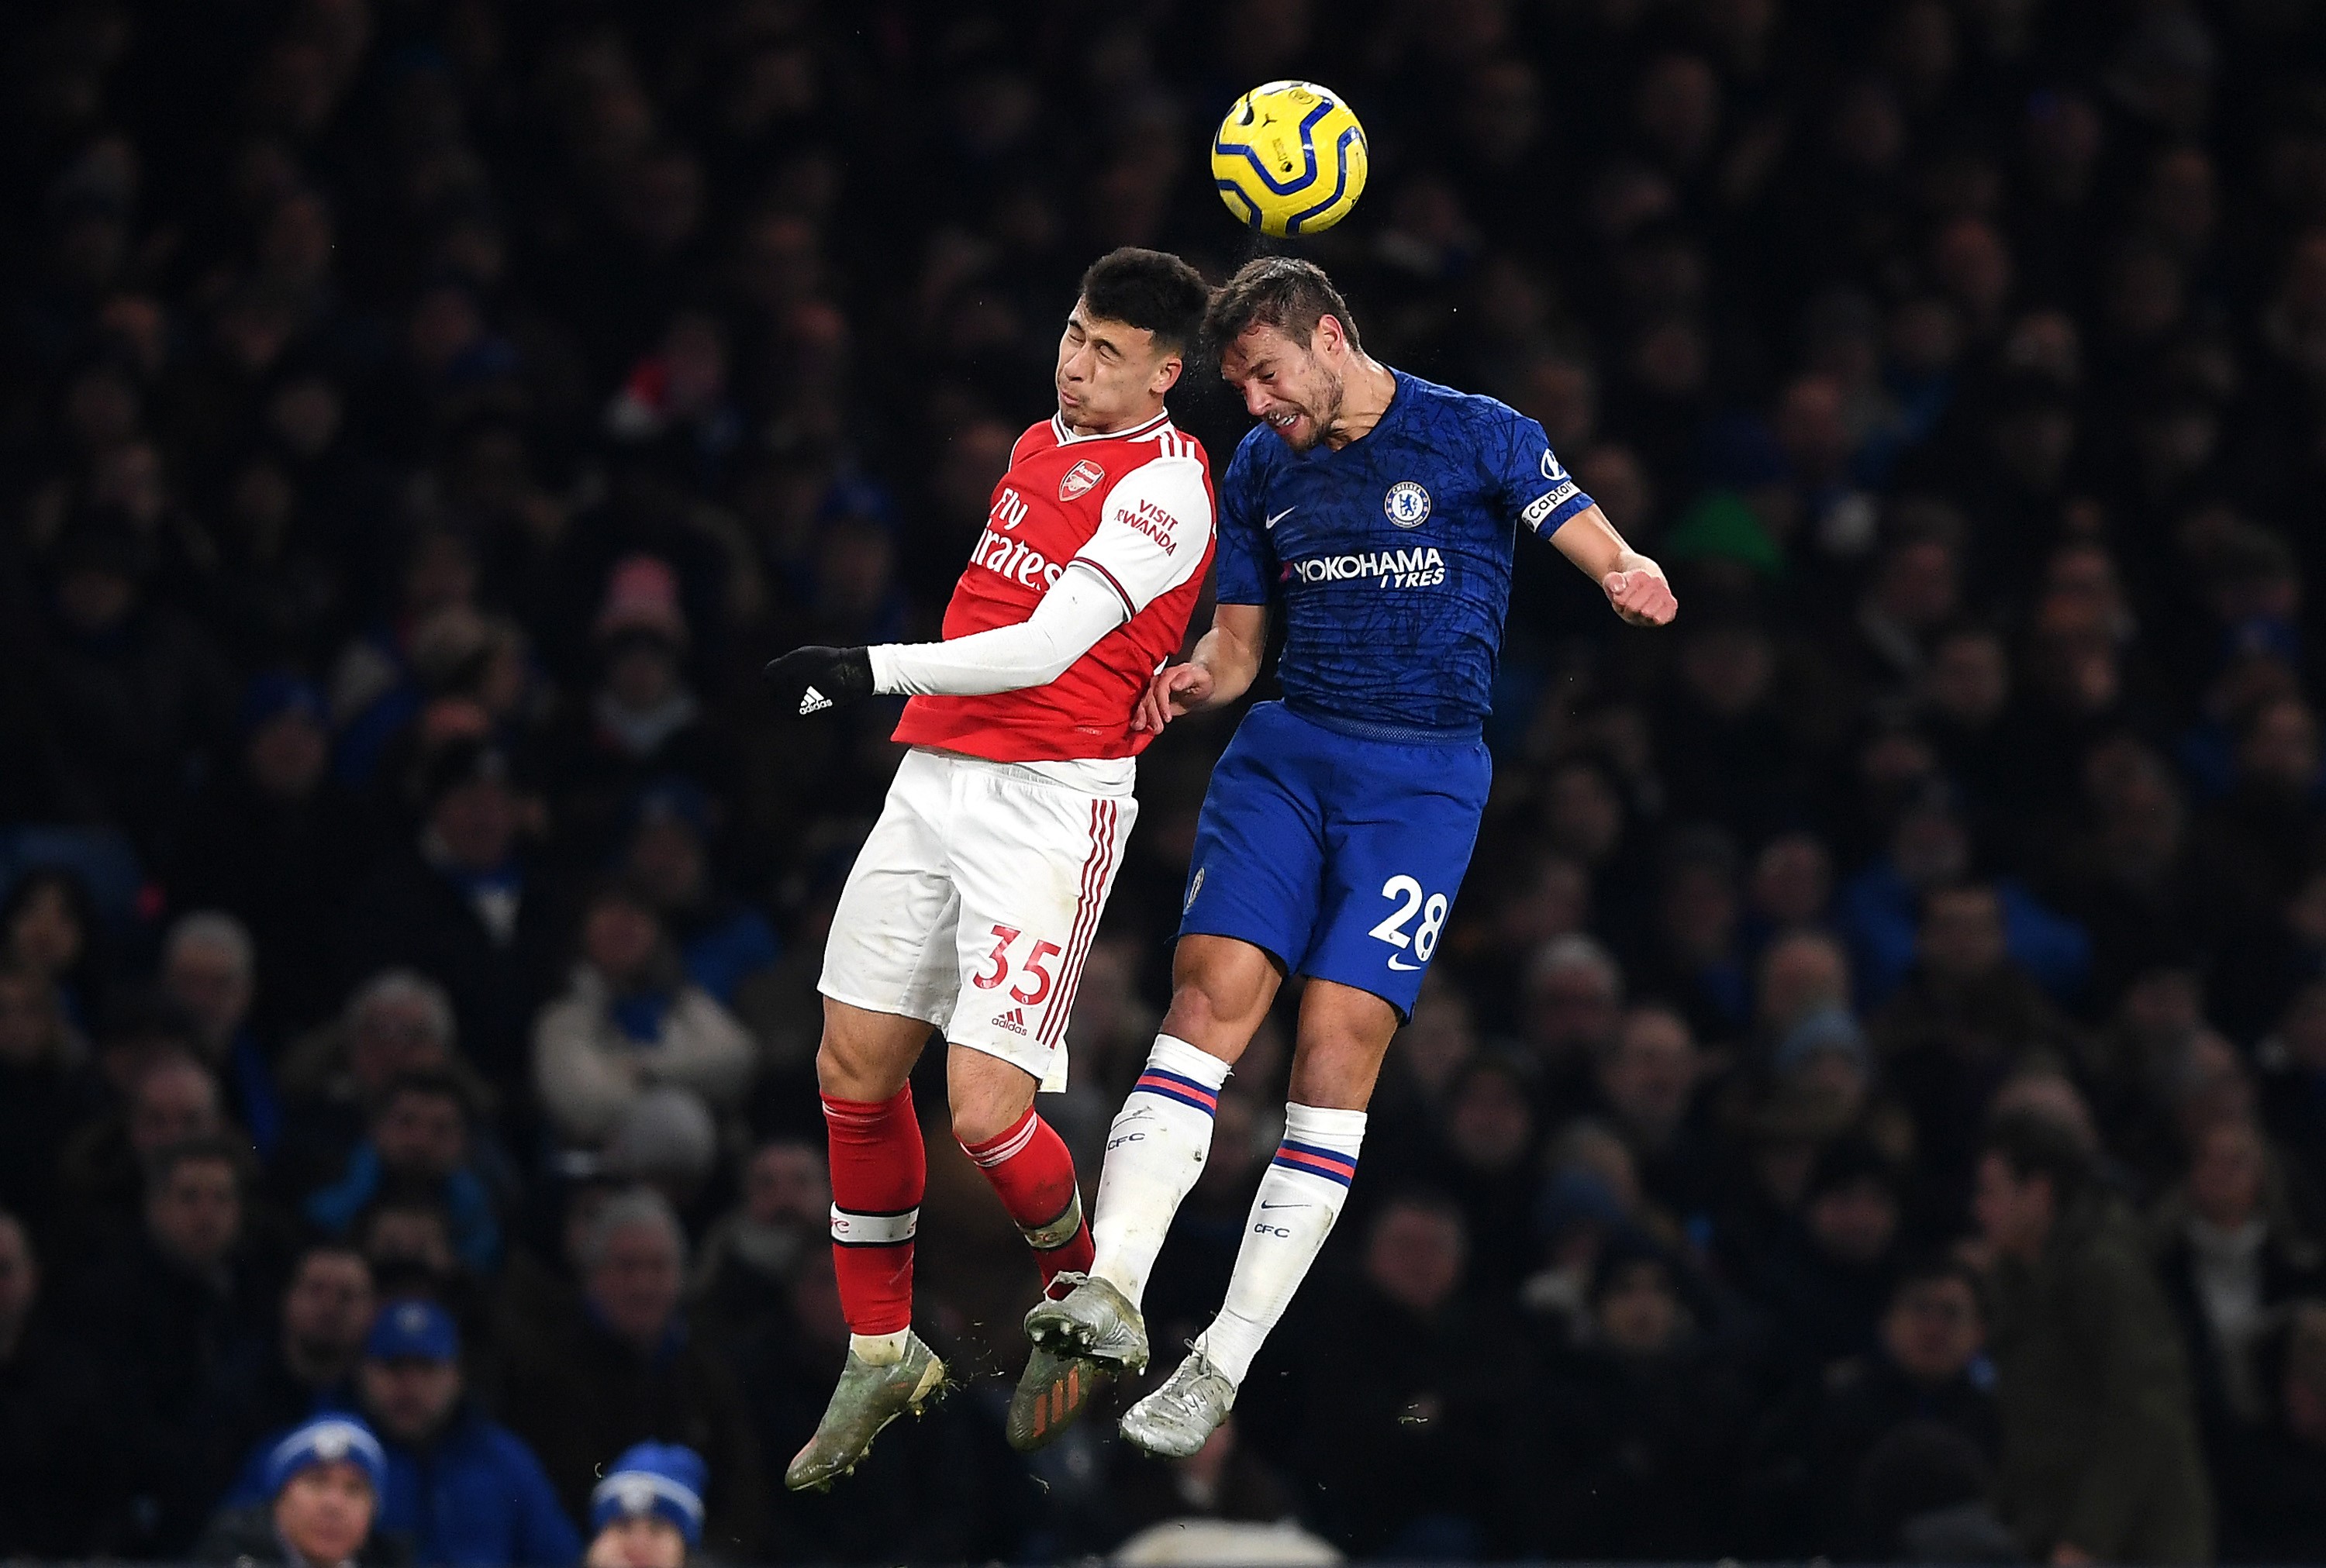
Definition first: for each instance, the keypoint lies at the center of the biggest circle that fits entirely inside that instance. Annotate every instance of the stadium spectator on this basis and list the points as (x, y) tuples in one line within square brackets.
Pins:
[(174, 1097), (327, 1308), (275, 840), (459, 1488), (1648, 1084), (647, 1513), (324, 1482), (49, 925), (2100, 1454), (424, 1143), (1626, 1445), (396, 1024), (1825, 1279), (1415, 1412), (743, 1274), (619, 1367), (46, 1091), (2233, 1257), (2271, 1500), (65, 1473), (462, 904), (209, 968), (1225, 1479), (1929, 1366), (631, 1021), (727, 944)]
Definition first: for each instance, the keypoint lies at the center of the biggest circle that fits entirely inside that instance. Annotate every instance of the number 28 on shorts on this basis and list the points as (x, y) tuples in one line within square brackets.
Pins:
[(1411, 951)]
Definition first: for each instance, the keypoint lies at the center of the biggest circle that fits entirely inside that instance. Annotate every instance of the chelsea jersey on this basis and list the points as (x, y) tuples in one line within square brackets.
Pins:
[(1392, 555)]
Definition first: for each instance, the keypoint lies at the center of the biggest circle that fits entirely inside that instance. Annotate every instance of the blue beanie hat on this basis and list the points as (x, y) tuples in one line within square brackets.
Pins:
[(653, 1477), (327, 1439), (413, 1331)]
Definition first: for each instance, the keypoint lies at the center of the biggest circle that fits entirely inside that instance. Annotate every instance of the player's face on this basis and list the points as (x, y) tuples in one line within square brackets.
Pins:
[(1285, 384), (1110, 374)]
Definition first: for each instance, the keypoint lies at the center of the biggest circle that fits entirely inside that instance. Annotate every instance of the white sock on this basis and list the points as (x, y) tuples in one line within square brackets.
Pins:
[(1300, 1195), (1154, 1152), (878, 1350)]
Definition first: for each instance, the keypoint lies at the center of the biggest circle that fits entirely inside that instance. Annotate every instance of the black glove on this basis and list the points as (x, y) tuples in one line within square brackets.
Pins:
[(812, 680)]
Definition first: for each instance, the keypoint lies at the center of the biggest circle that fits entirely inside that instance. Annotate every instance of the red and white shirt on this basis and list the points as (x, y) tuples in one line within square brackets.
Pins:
[(1134, 508)]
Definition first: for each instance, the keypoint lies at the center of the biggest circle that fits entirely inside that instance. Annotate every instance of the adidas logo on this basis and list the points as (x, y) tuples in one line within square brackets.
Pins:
[(813, 701), (1014, 1020)]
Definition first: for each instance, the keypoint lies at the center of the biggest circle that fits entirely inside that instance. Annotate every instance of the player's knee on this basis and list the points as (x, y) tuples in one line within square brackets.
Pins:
[(844, 1072), (982, 1112), (1208, 1007)]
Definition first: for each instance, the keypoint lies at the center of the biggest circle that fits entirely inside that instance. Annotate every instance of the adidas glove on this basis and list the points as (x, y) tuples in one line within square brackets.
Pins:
[(813, 679)]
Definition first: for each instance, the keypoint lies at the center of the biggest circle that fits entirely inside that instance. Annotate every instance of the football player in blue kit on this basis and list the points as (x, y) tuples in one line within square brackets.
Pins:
[(1381, 511)]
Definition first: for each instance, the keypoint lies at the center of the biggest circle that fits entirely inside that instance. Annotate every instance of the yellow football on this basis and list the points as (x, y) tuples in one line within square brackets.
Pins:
[(1289, 158)]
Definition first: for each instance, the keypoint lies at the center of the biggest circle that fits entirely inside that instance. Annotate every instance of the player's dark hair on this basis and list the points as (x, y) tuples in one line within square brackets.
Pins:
[(1152, 289), (2031, 1144), (1282, 291)]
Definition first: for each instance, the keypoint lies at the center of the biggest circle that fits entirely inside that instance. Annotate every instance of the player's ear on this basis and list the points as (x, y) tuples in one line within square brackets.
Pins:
[(1167, 374), (1328, 335)]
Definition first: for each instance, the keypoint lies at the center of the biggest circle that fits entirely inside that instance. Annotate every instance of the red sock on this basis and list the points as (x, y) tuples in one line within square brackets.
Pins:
[(879, 1171), (1030, 1167)]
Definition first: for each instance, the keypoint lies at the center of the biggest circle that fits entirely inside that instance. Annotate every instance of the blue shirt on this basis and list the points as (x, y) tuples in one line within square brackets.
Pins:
[(476, 1497), (1392, 555)]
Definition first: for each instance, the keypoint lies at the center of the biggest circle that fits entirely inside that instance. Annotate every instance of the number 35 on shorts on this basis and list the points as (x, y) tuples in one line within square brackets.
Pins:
[(1407, 899), (1033, 987)]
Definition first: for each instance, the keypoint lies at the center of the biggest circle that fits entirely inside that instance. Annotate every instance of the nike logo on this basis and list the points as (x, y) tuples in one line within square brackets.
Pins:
[(1284, 1205), (1394, 964), (813, 701), (1280, 516)]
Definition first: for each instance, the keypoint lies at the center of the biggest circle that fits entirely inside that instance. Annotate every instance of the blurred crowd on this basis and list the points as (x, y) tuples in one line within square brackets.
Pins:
[(1870, 1099)]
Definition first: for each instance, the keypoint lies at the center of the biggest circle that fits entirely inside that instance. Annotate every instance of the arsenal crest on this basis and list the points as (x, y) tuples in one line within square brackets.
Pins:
[(1080, 479)]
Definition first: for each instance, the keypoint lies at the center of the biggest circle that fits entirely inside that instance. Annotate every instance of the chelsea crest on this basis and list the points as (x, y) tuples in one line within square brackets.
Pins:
[(1407, 504)]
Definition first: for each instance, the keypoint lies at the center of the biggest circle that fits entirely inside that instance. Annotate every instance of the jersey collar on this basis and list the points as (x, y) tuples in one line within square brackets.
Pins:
[(1067, 437)]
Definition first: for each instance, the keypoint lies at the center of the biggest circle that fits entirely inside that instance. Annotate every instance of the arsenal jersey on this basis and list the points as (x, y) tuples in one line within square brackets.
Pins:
[(1133, 507)]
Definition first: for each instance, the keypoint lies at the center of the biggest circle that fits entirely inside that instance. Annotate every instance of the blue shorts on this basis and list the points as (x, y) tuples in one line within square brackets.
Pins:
[(1338, 851)]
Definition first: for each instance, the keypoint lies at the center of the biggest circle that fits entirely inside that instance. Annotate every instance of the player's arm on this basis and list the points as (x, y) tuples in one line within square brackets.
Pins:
[(1149, 540), (1634, 583), (1224, 665), (1067, 622)]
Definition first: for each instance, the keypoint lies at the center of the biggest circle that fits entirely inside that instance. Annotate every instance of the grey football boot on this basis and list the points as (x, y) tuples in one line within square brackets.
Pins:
[(1081, 1341), (1173, 1422), (869, 1397)]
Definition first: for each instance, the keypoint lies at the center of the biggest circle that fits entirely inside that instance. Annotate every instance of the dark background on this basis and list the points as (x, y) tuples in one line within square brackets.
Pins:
[(1963, 361)]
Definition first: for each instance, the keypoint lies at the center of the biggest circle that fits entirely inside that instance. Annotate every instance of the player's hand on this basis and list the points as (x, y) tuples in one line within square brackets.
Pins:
[(1177, 689), (813, 679), (1641, 595)]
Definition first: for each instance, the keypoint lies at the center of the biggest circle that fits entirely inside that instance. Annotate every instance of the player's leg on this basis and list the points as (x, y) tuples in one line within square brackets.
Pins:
[(1344, 1036), (1400, 826), (1252, 892), (1035, 862), (889, 974), (1022, 1155), (1221, 990)]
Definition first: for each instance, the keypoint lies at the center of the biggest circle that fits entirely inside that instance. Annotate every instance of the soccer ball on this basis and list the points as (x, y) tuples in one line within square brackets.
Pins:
[(1289, 158)]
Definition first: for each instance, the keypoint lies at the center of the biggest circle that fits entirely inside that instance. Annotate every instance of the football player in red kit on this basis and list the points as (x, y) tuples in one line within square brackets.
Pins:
[(971, 906)]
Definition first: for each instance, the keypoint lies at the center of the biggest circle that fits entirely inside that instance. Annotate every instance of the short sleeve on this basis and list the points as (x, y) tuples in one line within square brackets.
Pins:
[(1152, 531), (1247, 570), (1534, 485)]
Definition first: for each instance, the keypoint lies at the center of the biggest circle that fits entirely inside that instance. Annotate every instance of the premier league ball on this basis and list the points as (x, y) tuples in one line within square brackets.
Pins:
[(1289, 158)]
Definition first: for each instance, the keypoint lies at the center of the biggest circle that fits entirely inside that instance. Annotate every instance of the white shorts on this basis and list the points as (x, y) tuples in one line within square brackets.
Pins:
[(974, 905)]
